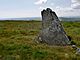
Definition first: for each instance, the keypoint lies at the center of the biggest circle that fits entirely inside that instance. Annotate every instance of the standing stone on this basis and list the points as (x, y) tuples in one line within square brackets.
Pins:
[(52, 31)]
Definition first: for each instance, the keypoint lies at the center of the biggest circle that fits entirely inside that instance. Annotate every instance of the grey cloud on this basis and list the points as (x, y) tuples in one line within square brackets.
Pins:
[(77, 7), (75, 4), (39, 2)]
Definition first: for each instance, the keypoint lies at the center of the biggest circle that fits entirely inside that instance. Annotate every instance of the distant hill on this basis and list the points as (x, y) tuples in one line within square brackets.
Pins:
[(39, 18), (26, 18), (69, 18)]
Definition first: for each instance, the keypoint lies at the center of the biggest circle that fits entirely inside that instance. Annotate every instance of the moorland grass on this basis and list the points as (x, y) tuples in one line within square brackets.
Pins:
[(17, 42)]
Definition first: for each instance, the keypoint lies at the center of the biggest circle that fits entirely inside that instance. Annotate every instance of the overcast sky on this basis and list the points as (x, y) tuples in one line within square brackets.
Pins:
[(32, 8)]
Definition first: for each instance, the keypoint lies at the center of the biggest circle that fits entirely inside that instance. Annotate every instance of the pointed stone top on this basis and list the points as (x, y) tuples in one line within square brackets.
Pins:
[(49, 14), (48, 9)]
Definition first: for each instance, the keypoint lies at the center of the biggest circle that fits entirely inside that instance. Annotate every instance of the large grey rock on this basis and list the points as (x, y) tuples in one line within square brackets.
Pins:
[(52, 31)]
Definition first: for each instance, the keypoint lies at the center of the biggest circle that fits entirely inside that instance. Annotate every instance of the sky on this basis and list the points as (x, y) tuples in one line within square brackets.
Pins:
[(33, 8)]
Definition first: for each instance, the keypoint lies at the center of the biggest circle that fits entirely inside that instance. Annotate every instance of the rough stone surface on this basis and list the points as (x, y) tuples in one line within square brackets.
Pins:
[(52, 31), (77, 49)]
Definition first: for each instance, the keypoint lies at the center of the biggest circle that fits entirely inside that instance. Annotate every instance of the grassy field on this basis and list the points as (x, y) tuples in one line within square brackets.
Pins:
[(17, 42)]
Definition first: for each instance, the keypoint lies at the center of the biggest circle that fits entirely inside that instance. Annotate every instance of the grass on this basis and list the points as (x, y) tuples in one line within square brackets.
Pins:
[(17, 42)]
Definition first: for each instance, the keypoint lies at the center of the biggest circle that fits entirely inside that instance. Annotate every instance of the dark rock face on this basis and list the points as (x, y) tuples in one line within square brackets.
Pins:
[(52, 31)]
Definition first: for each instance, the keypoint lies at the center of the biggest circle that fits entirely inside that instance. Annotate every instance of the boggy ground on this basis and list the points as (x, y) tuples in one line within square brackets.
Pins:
[(17, 42)]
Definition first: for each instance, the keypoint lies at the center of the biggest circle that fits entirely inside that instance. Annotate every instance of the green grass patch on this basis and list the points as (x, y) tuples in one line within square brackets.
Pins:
[(17, 42)]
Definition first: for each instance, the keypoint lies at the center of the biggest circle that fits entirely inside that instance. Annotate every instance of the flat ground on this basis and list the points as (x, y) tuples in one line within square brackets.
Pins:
[(17, 42)]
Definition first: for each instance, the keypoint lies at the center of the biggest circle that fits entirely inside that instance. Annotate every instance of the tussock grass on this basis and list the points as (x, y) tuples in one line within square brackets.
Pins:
[(17, 42)]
